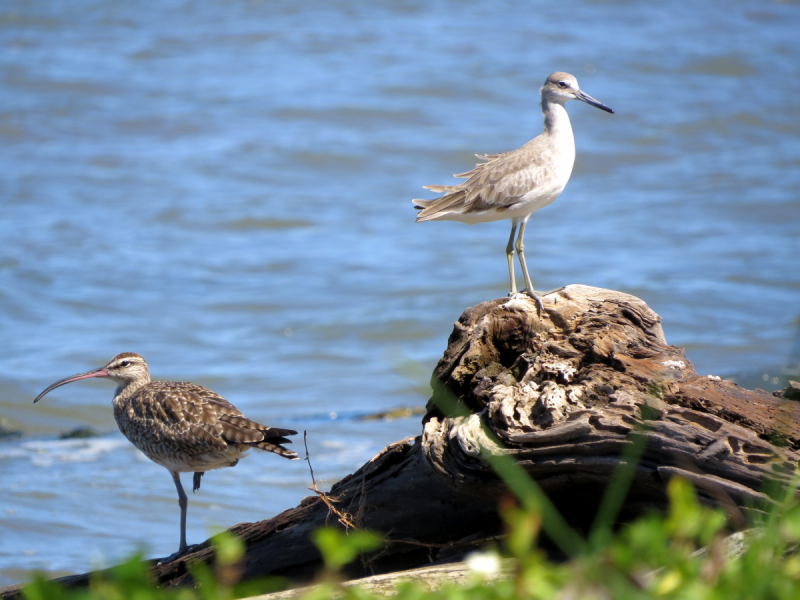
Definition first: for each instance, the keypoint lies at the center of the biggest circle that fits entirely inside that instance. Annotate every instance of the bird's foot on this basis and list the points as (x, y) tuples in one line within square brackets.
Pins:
[(176, 555), (537, 297)]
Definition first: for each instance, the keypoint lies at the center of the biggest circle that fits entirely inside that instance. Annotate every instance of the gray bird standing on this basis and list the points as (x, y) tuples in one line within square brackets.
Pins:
[(181, 426), (513, 185)]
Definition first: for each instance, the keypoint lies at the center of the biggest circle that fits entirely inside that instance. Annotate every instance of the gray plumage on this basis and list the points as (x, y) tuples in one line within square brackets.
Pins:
[(513, 185), (181, 426)]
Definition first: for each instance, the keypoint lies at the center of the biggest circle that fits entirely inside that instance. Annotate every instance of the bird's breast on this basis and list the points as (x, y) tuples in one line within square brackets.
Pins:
[(202, 462)]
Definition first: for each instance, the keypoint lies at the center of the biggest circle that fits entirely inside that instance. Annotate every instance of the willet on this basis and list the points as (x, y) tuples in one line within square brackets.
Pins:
[(513, 185), (181, 426)]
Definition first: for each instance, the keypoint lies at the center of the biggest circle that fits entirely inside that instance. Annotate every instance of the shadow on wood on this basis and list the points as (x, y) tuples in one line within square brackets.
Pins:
[(562, 391)]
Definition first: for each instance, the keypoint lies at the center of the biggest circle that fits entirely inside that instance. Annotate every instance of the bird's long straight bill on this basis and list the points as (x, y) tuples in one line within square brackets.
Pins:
[(589, 100), (100, 372)]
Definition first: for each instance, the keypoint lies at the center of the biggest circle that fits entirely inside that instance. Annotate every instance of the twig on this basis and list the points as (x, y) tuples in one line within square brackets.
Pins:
[(343, 518)]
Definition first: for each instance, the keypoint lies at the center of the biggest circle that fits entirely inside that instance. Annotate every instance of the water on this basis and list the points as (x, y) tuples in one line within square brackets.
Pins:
[(224, 187)]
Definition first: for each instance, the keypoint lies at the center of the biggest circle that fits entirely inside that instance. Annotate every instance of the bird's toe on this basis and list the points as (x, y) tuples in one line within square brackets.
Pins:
[(176, 555)]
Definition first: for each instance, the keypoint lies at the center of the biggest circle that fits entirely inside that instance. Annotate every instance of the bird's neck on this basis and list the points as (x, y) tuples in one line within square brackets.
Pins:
[(556, 120), (128, 388)]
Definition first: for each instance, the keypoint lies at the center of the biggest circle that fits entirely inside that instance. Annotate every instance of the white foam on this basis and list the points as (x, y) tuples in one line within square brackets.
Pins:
[(44, 453)]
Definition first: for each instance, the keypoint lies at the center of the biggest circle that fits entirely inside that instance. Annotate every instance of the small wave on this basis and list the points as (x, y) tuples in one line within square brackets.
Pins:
[(44, 453)]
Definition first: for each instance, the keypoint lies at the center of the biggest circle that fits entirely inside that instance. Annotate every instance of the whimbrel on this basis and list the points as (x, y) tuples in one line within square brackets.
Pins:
[(181, 426), (513, 185)]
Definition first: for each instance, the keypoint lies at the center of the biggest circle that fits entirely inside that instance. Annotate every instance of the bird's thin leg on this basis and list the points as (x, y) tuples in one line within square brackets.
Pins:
[(196, 480), (182, 502), (510, 255), (521, 254)]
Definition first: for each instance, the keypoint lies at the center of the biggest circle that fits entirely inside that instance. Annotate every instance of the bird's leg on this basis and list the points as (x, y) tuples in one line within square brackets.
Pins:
[(528, 282), (182, 502), (510, 256), (196, 480)]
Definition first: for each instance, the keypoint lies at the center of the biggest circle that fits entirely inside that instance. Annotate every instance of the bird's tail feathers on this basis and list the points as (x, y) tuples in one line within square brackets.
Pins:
[(439, 189), (420, 204), (439, 206), (273, 438), (274, 446), (278, 431)]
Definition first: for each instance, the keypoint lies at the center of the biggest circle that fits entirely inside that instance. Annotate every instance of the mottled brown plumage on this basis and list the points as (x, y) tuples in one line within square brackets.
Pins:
[(513, 185), (181, 426)]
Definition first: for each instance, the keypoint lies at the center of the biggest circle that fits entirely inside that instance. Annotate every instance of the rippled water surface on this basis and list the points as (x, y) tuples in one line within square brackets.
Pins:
[(224, 188)]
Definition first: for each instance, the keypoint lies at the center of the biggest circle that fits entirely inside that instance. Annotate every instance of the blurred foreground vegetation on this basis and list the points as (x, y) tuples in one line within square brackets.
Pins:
[(683, 554)]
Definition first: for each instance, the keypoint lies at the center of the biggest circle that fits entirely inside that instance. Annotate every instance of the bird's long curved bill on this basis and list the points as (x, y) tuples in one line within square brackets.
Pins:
[(589, 100), (100, 372)]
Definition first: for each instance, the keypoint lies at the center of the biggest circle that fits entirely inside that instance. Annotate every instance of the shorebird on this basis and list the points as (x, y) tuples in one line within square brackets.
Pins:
[(181, 426), (513, 185)]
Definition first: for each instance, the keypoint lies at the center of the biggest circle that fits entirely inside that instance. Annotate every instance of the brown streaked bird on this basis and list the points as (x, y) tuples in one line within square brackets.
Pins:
[(181, 426), (513, 185)]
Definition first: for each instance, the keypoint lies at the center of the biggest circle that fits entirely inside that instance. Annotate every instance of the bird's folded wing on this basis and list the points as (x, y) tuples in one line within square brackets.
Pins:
[(496, 185)]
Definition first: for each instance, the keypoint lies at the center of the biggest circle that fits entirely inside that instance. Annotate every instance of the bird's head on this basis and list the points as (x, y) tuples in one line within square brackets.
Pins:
[(561, 87), (124, 369)]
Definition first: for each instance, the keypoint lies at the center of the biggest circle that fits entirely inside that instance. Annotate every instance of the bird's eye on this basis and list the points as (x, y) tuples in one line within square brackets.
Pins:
[(562, 84), (125, 363)]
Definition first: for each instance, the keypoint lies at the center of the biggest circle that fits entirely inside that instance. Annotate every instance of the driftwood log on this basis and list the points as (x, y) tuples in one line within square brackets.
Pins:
[(561, 391)]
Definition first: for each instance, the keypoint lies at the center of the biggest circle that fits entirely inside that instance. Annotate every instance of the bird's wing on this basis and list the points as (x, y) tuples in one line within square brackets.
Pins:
[(221, 419), (487, 157), (171, 415), (186, 418), (495, 185)]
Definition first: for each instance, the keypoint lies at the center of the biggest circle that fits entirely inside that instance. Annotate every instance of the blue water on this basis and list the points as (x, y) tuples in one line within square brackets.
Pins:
[(225, 187)]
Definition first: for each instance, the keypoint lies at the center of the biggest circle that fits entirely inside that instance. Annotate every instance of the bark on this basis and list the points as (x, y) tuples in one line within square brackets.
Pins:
[(562, 392)]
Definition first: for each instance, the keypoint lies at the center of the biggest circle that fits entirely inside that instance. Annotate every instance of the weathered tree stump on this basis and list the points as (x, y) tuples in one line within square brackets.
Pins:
[(562, 392)]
